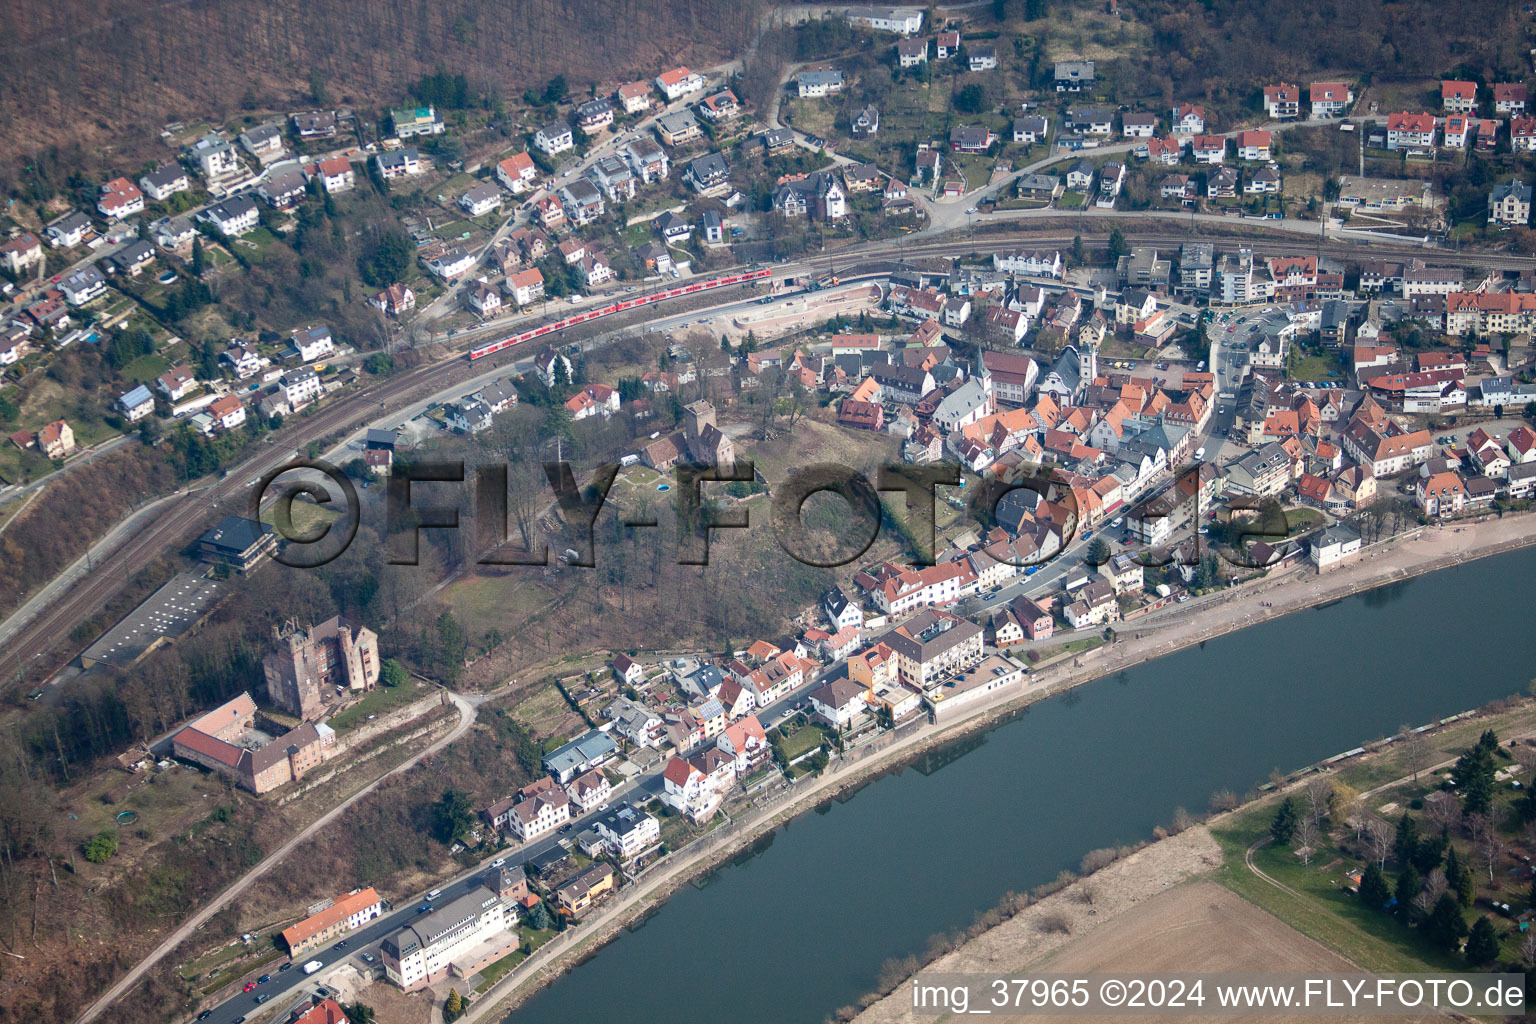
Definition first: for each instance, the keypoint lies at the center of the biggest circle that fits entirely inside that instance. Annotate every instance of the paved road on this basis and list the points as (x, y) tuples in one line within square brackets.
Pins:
[(285, 985), (467, 714)]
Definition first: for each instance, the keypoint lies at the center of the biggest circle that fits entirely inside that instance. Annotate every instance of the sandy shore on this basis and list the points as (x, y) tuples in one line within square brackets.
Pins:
[(1164, 632)]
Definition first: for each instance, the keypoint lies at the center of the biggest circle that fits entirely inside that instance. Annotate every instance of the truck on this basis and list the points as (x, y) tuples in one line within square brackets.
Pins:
[(313, 966)]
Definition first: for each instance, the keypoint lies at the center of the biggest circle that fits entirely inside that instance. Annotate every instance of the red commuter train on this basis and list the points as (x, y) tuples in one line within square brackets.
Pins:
[(691, 287)]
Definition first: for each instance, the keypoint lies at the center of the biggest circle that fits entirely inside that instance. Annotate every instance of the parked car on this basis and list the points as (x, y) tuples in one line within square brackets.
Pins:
[(368, 958)]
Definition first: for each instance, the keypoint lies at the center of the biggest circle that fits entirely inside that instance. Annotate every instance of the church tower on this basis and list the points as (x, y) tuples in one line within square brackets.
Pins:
[(1087, 361)]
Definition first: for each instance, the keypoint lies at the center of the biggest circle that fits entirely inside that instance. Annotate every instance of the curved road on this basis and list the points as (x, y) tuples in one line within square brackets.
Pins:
[(466, 720)]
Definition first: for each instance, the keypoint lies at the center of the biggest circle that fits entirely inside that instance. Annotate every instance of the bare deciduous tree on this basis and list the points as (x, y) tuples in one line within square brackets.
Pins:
[(1442, 809), (1434, 886), (1416, 752), (1317, 792), (1378, 839), (1304, 842)]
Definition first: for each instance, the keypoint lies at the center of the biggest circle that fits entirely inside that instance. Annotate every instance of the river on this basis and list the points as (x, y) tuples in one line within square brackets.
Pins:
[(799, 925)]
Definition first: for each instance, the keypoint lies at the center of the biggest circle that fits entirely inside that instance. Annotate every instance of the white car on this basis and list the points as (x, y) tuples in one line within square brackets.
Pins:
[(498, 862)]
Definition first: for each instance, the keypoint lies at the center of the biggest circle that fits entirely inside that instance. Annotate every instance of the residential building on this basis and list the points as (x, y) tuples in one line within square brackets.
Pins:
[(634, 97), (427, 949), (69, 230), (541, 808), (1330, 99), (1510, 97), (647, 160), (594, 115), (264, 142), (480, 199), (1411, 132), (1071, 75), (233, 217), (554, 138), (331, 919), (582, 754), (1510, 204), (931, 645), (1440, 495), (165, 181), (814, 84), (577, 895), (316, 124), (1458, 97), (678, 128), (1282, 102), (413, 121), (981, 57), (1188, 119), (398, 163), (84, 285), (628, 831), (517, 173), (119, 198), (911, 52), (679, 82)]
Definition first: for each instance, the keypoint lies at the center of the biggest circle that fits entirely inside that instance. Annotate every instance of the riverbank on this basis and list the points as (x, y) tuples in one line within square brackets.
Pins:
[(1187, 625), (1069, 922)]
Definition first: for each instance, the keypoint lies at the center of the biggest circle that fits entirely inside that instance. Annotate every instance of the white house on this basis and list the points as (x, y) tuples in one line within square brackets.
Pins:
[(679, 82), (233, 217), (517, 172), (555, 137), (163, 182), (480, 199)]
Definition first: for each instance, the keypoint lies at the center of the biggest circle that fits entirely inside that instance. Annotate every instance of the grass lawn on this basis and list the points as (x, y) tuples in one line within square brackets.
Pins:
[(801, 741), (1313, 367), (146, 368), (1303, 520), (1071, 201), (261, 241), (381, 701), (499, 602), (1326, 910), (308, 517), (500, 969)]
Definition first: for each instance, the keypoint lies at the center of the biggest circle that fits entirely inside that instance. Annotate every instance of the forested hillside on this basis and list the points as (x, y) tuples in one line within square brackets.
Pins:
[(95, 71)]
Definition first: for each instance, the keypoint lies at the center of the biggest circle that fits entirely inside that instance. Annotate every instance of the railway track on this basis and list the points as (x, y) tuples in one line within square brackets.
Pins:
[(50, 629)]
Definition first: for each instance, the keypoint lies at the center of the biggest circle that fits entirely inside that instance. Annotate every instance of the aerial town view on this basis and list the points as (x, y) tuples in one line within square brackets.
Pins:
[(502, 505)]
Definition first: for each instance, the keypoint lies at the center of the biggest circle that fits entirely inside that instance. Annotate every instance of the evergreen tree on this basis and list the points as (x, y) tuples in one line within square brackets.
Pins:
[(1445, 926), (1407, 841), (538, 918), (1429, 852), (1409, 882), (453, 1006), (1117, 244), (1482, 943), (199, 261), (1374, 891), (1461, 879), (1474, 774), (1284, 825)]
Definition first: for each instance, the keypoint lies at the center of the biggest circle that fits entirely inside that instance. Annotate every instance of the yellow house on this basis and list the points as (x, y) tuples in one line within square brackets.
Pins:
[(873, 667), (578, 894)]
